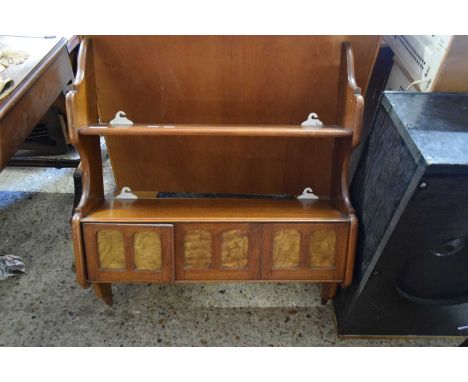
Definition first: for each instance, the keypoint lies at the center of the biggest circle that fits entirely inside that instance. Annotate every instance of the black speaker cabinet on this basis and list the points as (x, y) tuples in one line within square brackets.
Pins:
[(410, 190)]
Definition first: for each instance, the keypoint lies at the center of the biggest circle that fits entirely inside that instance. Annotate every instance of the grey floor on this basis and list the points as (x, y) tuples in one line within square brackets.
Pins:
[(45, 307)]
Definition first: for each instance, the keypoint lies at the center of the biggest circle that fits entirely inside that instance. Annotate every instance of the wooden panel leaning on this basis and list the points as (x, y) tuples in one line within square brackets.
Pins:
[(36, 85), (218, 115)]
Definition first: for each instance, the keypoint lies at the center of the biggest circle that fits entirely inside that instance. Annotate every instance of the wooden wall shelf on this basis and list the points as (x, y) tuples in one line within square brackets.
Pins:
[(210, 121)]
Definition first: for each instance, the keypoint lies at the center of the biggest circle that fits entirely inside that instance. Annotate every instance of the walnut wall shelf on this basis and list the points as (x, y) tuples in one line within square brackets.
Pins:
[(218, 115)]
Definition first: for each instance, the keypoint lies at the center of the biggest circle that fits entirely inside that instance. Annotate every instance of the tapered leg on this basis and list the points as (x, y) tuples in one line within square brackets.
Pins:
[(328, 291), (104, 292)]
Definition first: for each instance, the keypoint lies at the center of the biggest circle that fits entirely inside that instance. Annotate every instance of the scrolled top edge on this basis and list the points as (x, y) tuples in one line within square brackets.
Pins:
[(81, 62), (348, 50)]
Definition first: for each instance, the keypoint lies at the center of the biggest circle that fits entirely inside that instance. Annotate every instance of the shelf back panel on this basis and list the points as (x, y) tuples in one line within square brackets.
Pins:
[(224, 79), (229, 165)]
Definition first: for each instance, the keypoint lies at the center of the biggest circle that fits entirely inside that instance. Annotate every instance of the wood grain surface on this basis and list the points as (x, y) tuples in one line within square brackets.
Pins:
[(234, 249), (322, 248), (197, 249), (111, 249), (286, 248), (148, 251)]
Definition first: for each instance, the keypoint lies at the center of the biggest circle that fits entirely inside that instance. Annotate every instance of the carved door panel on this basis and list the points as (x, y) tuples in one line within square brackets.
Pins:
[(315, 252), (218, 251), (129, 252)]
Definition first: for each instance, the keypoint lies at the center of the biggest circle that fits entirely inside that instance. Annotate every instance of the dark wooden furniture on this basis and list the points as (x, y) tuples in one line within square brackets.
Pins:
[(222, 115), (37, 84), (410, 191)]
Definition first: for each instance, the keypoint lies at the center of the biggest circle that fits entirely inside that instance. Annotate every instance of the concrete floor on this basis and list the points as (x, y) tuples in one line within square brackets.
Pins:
[(45, 307)]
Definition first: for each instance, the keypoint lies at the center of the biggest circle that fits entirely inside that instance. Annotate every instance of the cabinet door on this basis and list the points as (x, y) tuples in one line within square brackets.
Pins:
[(315, 252), (218, 251), (129, 252)]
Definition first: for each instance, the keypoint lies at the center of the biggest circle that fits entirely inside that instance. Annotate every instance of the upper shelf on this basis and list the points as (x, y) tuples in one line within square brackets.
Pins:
[(217, 130)]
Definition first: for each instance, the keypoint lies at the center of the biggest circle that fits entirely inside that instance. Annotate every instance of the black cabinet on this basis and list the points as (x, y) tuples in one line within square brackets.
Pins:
[(410, 190)]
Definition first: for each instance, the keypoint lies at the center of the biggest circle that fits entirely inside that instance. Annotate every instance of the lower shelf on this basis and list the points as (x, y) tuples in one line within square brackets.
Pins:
[(213, 210)]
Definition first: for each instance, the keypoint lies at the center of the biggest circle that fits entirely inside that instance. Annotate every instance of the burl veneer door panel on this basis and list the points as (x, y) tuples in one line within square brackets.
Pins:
[(315, 252), (129, 252), (218, 251)]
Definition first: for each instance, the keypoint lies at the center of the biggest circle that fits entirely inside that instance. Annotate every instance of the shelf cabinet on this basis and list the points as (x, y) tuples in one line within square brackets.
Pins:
[(216, 151), (163, 253)]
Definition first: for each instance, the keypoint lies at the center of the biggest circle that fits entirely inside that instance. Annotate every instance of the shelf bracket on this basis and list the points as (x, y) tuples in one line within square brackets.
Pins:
[(307, 194), (121, 119), (312, 121), (126, 193)]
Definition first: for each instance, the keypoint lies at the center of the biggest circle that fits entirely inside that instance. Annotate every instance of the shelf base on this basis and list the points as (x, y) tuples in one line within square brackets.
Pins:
[(213, 210)]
